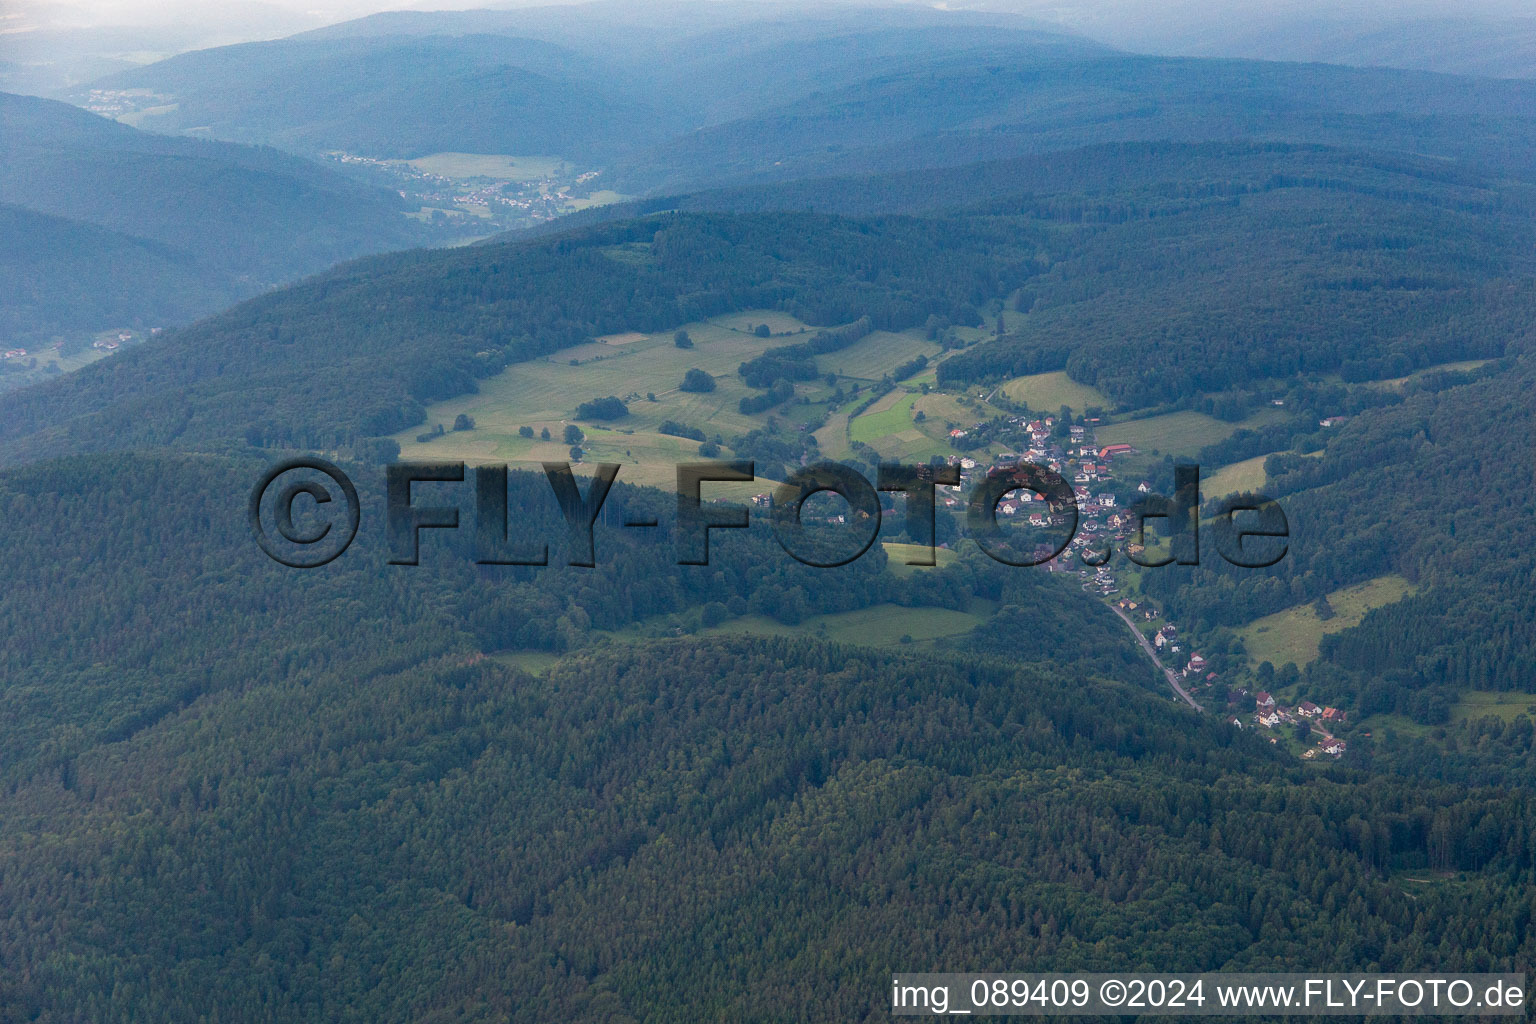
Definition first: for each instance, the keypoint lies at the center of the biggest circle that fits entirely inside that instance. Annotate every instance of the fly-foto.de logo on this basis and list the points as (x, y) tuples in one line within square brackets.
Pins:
[(305, 512)]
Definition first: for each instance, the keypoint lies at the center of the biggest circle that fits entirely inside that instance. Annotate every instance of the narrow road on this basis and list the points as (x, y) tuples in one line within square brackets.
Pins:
[(1173, 677)]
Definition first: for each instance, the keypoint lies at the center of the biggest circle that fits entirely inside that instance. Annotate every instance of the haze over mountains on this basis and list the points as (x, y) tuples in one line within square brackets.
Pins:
[(481, 788), (162, 229)]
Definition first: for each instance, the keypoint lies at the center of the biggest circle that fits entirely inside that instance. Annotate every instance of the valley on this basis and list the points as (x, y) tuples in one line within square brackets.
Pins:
[(427, 775)]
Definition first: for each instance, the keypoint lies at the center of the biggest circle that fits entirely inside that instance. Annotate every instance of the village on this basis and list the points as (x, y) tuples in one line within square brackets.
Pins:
[(1105, 522), (499, 197)]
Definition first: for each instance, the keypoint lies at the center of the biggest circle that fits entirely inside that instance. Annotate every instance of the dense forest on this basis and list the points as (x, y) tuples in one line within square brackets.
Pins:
[(1432, 488), (229, 785), (311, 95)]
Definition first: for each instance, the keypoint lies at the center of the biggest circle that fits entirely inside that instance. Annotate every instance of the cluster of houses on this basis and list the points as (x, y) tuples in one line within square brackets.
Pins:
[(487, 194), (1271, 715), (1099, 519), (15, 353)]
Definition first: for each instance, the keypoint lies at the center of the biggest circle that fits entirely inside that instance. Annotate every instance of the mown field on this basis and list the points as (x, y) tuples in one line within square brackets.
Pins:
[(883, 625), (1294, 634), (544, 395), (872, 357), (1237, 478), (1485, 703), (491, 165), (899, 553), (1396, 383), (1180, 433), (1048, 392)]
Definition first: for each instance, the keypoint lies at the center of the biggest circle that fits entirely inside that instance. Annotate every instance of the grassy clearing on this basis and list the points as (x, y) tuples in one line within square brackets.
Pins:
[(875, 355), (1048, 392), (1493, 704), (1180, 433), (1400, 724), (899, 553), (892, 414), (602, 197), (1294, 634), (1239, 477), (1396, 383), (890, 426), (544, 394), (491, 165), (879, 626)]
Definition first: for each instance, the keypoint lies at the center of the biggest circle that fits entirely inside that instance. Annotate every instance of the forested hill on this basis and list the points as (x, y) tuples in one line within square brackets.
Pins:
[(390, 97), (356, 352), (227, 785), (1362, 262), (588, 82), (1086, 181), (238, 218), (59, 275), (1431, 487), (954, 110)]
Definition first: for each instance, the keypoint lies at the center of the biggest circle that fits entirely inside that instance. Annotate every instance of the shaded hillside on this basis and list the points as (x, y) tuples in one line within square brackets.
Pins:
[(952, 111), (1361, 263), (396, 97), (62, 276), (237, 219), (357, 353)]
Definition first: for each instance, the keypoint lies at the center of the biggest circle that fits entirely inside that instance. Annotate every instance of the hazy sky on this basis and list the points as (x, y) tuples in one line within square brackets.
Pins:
[(125, 12), (1275, 29)]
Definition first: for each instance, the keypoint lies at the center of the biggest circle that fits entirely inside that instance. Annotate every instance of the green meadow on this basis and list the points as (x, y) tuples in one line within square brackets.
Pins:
[(1048, 392), (1294, 634)]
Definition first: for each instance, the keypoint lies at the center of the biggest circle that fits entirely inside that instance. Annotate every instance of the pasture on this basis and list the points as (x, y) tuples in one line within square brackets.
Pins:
[(881, 625), (875, 355), (1294, 634), (1180, 433), (543, 394), (1246, 476), (1048, 392), (1506, 706), (499, 166)]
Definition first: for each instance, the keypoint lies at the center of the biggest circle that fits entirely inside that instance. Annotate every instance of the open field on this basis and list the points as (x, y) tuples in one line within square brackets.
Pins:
[(1239, 477), (875, 355), (1493, 704), (546, 392), (899, 553), (1048, 392), (1180, 433), (778, 323), (602, 197), (1294, 634), (889, 426), (543, 394), (1396, 383), (882, 625), (491, 165), (136, 118), (892, 414)]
